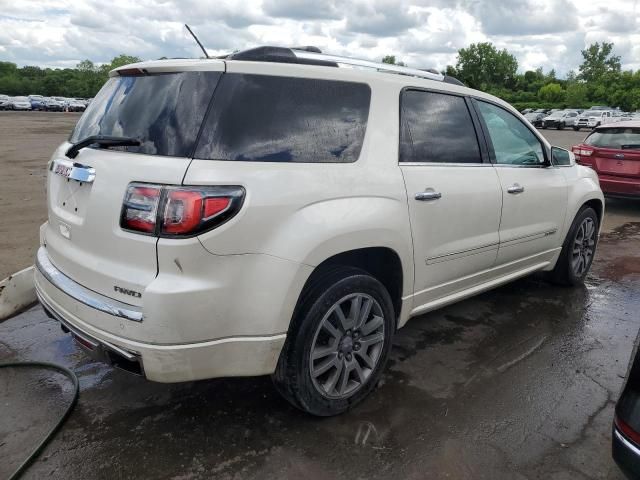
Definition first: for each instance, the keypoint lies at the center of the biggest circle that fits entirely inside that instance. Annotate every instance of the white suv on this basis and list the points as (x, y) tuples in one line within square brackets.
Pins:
[(284, 212)]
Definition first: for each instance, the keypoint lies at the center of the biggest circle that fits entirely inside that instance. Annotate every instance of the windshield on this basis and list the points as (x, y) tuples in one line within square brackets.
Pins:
[(627, 138), (591, 113), (163, 111), (20, 99)]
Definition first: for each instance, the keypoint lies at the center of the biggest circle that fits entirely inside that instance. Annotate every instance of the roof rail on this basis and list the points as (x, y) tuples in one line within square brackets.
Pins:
[(313, 56), (379, 66)]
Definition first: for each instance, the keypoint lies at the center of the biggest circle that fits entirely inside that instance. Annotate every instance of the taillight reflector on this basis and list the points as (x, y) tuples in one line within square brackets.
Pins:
[(184, 211), (141, 208)]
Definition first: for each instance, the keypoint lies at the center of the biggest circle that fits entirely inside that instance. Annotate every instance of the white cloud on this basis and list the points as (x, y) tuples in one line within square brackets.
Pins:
[(424, 33)]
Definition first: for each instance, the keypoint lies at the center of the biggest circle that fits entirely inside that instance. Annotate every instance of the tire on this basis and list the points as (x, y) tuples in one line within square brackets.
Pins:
[(317, 329), (544, 127), (576, 129), (566, 271), (561, 126)]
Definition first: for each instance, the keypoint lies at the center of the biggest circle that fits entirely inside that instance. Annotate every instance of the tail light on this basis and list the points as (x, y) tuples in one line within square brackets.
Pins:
[(173, 212), (582, 151), (626, 430)]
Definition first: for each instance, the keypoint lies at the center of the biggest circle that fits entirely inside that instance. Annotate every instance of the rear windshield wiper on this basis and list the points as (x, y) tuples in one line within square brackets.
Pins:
[(103, 141)]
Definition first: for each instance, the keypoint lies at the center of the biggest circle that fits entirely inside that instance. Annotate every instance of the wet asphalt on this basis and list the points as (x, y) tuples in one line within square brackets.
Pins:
[(517, 383)]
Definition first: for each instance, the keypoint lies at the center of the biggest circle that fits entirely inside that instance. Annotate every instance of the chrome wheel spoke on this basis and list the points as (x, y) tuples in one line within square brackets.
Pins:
[(372, 325), (331, 382), (371, 340), (325, 366)]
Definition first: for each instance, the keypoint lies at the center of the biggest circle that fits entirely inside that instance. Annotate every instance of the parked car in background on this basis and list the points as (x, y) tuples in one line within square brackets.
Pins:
[(593, 118), (157, 261), (526, 110), (20, 103), (53, 105), (4, 101), (76, 106), (560, 119), (535, 118), (626, 422), (37, 102), (613, 151)]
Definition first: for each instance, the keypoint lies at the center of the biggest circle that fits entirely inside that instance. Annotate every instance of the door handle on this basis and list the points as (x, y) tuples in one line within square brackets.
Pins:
[(428, 195), (515, 188)]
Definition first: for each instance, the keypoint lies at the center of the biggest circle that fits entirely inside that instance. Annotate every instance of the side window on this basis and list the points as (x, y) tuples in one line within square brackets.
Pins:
[(437, 128), (262, 118), (513, 143)]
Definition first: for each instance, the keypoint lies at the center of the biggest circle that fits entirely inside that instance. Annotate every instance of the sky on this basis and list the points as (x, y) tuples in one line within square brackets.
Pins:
[(423, 34)]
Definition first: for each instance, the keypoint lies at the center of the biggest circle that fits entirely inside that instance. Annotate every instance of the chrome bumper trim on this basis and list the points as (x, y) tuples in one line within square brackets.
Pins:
[(82, 294), (628, 445)]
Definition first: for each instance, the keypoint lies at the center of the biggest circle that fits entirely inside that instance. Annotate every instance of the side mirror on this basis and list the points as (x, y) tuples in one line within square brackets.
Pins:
[(562, 158)]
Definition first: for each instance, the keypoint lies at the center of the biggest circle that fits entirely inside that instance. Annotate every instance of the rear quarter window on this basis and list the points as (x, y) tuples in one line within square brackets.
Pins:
[(265, 118)]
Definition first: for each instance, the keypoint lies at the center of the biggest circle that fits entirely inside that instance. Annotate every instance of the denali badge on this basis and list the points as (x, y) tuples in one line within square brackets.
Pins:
[(125, 291)]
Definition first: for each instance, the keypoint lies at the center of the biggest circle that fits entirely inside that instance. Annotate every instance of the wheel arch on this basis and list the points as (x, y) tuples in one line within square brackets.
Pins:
[(381, 262)]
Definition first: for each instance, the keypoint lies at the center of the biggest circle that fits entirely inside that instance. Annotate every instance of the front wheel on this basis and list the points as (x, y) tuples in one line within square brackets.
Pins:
[(578, 250), (338, 343), (561, 126), (576, 128)]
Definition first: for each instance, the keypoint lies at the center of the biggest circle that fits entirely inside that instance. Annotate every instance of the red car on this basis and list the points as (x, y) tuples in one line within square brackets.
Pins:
[(613, 151)]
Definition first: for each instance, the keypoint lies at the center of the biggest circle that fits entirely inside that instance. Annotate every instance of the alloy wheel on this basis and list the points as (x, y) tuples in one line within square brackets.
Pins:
[(583, 247), (347, 346)]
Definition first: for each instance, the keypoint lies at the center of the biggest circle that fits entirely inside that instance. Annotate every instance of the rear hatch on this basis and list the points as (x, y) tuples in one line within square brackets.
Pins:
[(615, 151), (163, 109)]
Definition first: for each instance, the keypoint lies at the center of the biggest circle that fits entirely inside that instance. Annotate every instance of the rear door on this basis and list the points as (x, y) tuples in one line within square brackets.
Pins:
[(164, 111), (534, 193), (454, 195)]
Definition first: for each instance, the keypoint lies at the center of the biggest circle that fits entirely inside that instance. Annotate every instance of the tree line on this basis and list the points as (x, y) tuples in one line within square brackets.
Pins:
[(598, 81), (83, 81)]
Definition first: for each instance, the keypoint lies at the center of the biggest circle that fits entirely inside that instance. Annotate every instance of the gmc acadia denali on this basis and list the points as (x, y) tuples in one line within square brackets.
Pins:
[(280, 211)]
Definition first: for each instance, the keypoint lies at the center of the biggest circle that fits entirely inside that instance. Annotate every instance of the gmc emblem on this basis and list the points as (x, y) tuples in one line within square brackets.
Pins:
[(126, 291), (63, 170)]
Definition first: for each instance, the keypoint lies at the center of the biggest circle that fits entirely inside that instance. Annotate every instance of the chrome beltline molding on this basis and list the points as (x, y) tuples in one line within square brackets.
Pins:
[(83, 294)]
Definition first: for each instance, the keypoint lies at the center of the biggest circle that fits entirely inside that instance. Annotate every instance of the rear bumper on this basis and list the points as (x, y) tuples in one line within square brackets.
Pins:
[(626, 455), (81, 311), (612, 185)]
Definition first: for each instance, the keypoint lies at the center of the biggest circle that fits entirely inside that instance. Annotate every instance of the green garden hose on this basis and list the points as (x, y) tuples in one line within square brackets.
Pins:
[(76, 387)]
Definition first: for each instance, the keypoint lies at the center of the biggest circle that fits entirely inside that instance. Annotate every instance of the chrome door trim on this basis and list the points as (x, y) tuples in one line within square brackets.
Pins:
[(528, 238), (461, 253), (82, 294)]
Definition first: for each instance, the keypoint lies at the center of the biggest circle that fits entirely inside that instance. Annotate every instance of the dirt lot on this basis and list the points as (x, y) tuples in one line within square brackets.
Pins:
[(27, 140), (517, 383)]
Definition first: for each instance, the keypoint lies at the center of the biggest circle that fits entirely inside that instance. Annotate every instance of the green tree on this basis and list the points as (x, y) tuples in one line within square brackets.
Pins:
[(576, 94), (598, 62), (552, 93), (391, 59), (483, 66)]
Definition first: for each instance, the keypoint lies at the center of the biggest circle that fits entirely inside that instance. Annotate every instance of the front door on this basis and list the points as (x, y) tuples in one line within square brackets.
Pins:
[(454, 196), (534, 192)]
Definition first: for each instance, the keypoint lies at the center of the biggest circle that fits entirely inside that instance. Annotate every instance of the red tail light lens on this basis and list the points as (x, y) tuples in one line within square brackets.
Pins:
[(140, 208), (168, 211), (582, 151), (626, 430)]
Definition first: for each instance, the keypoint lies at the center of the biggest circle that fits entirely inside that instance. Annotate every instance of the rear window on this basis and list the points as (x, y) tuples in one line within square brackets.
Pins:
[(620, 138), (284, 119), (163, 111)]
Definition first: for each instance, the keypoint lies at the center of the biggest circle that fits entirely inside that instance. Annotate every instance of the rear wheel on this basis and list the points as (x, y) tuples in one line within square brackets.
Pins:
[(338, 343), (578, 250)]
